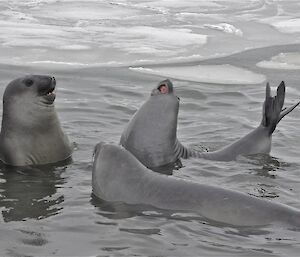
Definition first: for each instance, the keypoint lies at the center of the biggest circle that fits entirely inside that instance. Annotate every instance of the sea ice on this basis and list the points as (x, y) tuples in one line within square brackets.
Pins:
[(225, 27), (288, 25), (220, 74), (287, 61), (150, 40)]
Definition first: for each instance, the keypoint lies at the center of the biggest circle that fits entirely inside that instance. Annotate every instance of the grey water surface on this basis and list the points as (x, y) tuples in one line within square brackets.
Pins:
[(50, 211)]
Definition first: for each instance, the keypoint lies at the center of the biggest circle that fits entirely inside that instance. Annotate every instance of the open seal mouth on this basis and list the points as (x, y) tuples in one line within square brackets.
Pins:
[(50, 95), (49, 92), (165, 87)]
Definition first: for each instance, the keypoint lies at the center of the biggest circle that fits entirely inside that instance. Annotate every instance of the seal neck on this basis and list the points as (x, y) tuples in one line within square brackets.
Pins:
[(27, 119)]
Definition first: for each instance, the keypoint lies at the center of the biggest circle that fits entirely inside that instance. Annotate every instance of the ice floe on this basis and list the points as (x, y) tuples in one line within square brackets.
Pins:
[(225, 27), (287, 61), (150, 40), (129, 31), (219, 74), (288, 25)]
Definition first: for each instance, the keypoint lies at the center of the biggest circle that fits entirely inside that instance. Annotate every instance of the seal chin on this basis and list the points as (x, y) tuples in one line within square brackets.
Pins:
[(48, 95)]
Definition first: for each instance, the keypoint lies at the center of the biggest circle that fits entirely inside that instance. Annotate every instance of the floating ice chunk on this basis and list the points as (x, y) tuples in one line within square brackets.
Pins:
[(66, 65), (225, 27), (287, 61), (287, 26), (18, 16), (219, 74), (150, 40), (81, 10), (180, 4), (174, 37), (74, 47)]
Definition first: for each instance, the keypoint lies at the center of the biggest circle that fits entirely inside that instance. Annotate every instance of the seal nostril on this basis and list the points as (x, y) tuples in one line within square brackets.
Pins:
[(53, 81)]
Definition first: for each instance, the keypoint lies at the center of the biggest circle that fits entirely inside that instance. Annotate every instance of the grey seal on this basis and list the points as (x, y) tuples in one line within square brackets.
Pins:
[(118, 176), (151, 134), (31, 133)]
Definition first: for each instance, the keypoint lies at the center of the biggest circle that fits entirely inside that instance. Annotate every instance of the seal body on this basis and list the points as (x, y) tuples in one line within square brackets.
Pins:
[(151, 134), (119, 177), (31, 133)]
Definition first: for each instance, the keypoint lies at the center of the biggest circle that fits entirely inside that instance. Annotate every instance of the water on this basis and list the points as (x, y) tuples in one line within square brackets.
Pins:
[(106, 57)]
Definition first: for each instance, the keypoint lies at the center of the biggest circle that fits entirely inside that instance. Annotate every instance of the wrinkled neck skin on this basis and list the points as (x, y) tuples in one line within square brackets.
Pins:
[(31, 133), (151, 134), (257, 141), (127, 180)]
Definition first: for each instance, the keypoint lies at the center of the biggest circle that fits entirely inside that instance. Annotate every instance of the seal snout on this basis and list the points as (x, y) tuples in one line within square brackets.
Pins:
[(46, 87), (53, 80), (51, 86), (164, 87)]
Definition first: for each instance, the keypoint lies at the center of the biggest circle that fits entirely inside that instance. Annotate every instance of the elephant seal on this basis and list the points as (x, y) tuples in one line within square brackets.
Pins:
[(151, 133), (118, 176), (31, 133)]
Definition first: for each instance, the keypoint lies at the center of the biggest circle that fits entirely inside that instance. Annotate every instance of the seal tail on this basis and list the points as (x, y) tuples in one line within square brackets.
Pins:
[(272, 108)]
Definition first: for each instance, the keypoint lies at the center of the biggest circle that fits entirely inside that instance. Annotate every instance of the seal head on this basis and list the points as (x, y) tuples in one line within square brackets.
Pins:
[(31, 133)]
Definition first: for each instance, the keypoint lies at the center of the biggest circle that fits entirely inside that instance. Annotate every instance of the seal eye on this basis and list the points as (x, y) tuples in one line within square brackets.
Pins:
[(28, 82)]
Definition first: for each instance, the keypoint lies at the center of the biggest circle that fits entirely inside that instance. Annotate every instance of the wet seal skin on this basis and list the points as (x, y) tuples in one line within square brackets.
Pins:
[(151, 134), (118, 176), (31, 133)]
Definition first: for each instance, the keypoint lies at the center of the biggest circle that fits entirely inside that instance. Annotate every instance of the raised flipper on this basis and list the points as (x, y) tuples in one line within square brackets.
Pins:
[(272, 110), (259, 139), (286, 111)]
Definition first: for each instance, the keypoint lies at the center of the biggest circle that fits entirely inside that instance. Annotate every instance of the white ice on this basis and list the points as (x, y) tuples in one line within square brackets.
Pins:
[(131, 32), (150, 40), (286, 24), (225, 27), (286, 61), (221, 74)]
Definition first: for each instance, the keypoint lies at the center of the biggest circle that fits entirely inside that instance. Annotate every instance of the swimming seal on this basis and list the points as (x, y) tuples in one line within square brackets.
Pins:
[(118, 176), (151, 133), (31, 133)]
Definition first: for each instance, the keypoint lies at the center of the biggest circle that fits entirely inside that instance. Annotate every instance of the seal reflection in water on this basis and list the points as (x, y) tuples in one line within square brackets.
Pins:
[(118, 176), (31, 192), (31, 133), (151, 134)]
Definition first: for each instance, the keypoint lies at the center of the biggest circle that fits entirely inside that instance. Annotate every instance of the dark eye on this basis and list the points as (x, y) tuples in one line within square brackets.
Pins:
[(28, 82)]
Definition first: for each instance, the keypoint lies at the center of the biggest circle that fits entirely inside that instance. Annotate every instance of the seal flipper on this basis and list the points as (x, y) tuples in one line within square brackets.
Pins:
[(272, 108), (259, 140), (286, 111)]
